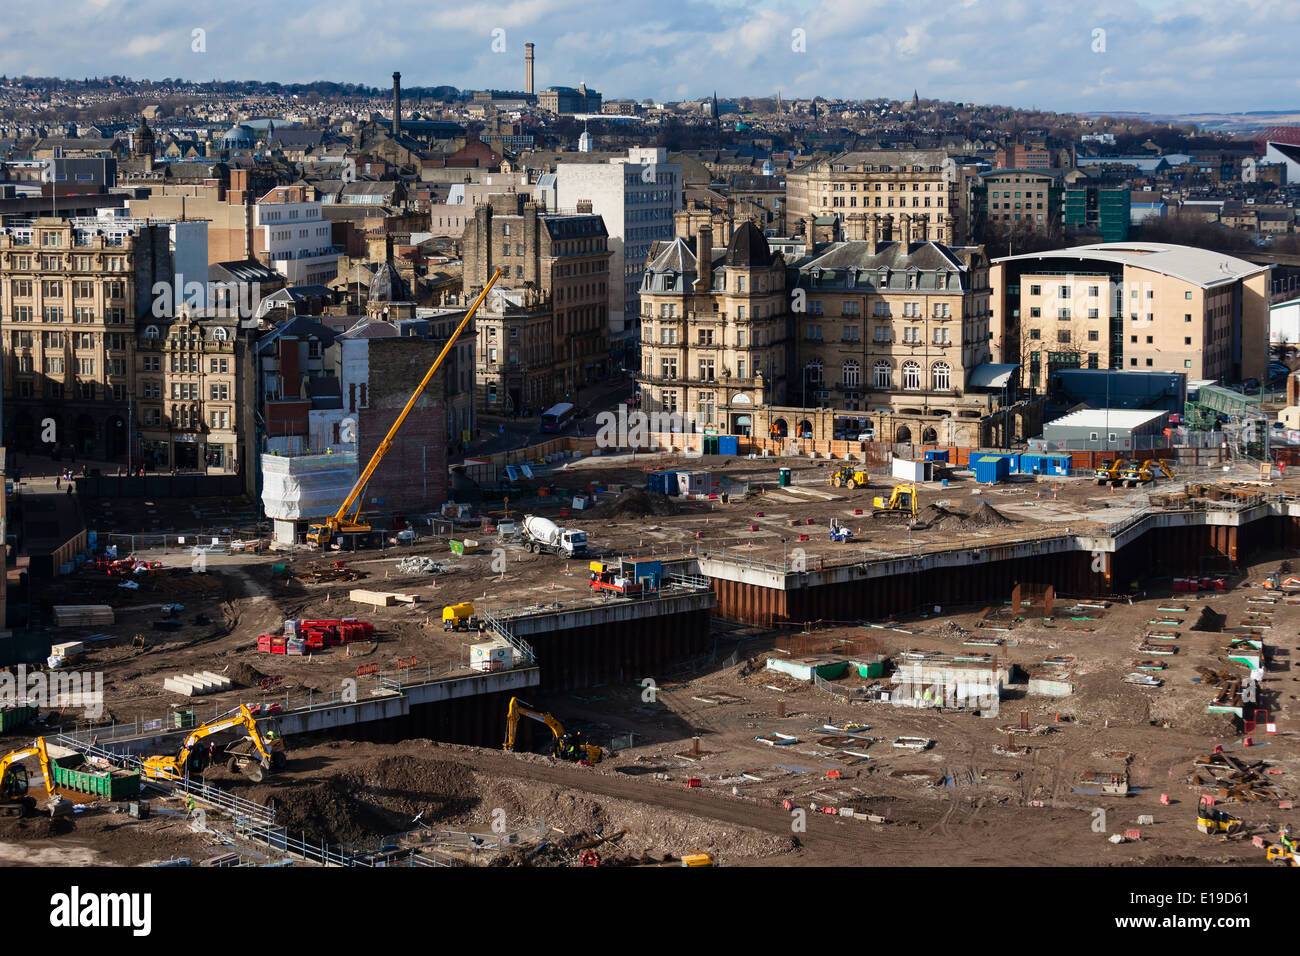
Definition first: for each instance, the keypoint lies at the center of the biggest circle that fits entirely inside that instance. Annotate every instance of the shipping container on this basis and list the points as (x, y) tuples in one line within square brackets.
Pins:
[(990, 469)]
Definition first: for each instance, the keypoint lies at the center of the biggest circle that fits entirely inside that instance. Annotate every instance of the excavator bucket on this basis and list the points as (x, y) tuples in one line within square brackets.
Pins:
[(254, 772), (59, 807)]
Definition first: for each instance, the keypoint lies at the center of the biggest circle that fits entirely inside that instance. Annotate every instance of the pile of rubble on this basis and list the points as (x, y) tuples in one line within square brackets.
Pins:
[(1232, 778), (418, 564)]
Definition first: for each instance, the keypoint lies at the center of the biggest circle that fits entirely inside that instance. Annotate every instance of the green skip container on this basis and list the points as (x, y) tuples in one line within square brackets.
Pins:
[(73, 773)]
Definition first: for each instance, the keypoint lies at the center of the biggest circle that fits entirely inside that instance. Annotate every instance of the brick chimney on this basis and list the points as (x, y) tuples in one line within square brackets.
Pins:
[(704, 257), (809, 235), (887, 229), (904, 229), (873, 233), (855, 227)]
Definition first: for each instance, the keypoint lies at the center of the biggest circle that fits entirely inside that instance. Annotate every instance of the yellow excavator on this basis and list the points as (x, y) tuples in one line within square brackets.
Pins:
[(252, 756), (1110, 472), (347, 520), (13, 783), (1144, 472), (901, 503), (566, 746)]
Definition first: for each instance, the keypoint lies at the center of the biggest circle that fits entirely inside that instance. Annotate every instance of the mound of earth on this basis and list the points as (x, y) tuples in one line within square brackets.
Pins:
[(941, 519), (377, 799), (635, 503), (986, 516), (244, 674)]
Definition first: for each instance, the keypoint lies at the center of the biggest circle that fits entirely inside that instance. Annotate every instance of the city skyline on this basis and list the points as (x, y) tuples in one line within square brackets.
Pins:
[(1156, 56)]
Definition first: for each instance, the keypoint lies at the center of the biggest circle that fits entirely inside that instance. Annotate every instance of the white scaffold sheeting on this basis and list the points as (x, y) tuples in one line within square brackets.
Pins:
[(306, 486)]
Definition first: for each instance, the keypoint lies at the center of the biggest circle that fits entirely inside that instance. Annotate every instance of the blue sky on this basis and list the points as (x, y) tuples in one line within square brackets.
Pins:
[(1151, 55)]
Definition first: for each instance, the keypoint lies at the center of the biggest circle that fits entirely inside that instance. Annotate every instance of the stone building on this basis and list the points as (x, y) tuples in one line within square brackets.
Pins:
[(551, 264), (714, 329), (70, 297)]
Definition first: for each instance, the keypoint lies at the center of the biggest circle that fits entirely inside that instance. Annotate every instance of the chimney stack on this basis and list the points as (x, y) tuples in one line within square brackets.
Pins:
[(704, 257), (855, 227), (528, 68), (947, 230), (397, 103), (922, 228), (904, 229), (887, 230), (873, 233), (809, 235)]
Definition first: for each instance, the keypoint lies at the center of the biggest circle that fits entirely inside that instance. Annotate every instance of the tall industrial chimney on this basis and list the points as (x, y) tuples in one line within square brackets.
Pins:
[(528, 68), (397, 103)]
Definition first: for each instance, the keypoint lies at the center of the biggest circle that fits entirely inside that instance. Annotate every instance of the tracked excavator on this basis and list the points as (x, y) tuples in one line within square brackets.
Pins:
[(254, 755), (565, 746)]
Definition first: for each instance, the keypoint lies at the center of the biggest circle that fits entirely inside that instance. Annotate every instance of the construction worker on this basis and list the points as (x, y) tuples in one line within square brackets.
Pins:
[(1284, 837)]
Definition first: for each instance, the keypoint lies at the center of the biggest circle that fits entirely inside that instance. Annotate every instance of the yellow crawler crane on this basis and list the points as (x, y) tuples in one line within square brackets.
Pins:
[(347, 520)]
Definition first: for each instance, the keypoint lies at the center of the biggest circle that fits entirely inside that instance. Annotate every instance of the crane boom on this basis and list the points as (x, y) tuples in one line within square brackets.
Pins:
[(321, 533)]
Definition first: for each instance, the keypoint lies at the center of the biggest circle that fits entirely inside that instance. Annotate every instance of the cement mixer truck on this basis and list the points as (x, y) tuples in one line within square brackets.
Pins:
[(544, 536)]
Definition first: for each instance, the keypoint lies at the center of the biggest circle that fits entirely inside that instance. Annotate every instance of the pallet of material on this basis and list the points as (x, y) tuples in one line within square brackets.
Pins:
[(382, 598), (82, 615), (374, 598)]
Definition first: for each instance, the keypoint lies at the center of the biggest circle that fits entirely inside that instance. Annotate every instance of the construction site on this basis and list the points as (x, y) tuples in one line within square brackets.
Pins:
[(658, 660)]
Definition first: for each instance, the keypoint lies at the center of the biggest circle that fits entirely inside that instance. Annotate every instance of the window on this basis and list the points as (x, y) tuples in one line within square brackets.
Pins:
[(881, 333), (882, 375), (1187, 295), (1035, 290), (911, 376), (941, 337), (1063, 335), (852, 374), (1035, 334), (851, 333), (1093, 335), (912, 334), (219, 365), (941, 377), (813, 332), (220, 393), (813, 372), (1035, 312)]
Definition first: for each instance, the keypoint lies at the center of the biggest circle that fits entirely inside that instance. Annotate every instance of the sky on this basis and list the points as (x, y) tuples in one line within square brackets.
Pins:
[(1158, 56)]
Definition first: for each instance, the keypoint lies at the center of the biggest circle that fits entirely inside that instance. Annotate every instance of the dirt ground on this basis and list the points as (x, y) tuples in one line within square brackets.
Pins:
[(972, 797), (960, 802)]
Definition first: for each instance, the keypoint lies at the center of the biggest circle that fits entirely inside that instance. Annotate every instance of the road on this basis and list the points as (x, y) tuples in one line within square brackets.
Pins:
[(503, 434)]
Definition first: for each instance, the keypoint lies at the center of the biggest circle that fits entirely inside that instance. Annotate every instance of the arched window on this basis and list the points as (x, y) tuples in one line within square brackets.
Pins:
[(852, 373), (219, 335), (940, 377), (912, 376), (813, 372), (883, 375), (151, 332)]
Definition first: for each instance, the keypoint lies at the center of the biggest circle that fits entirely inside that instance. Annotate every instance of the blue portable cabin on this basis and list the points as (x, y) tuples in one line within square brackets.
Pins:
[(728, 445), (649, 573), (937, 454), (1044, 463), (990, 469), (662, 482)]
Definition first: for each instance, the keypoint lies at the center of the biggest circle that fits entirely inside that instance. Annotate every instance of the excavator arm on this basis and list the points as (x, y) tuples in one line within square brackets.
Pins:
[(519, 709), (36, 750), (352, 503)]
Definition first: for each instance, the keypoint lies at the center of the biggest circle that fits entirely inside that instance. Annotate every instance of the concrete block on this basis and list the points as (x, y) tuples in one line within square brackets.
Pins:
[(1146, 820), (178, 686)]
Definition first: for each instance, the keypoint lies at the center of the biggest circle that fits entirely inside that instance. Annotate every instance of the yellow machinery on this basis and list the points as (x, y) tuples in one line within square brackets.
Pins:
[(847, 477), (1210, 819), (697, 859), (459, 617), (1110, 471), (252, 756), (1144, 472), (1284, 850), (13, 783), (901, 503), (343, 522), (566, 746)]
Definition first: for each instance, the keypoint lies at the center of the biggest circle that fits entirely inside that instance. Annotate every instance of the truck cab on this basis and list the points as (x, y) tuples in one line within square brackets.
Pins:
[(574, 542)]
